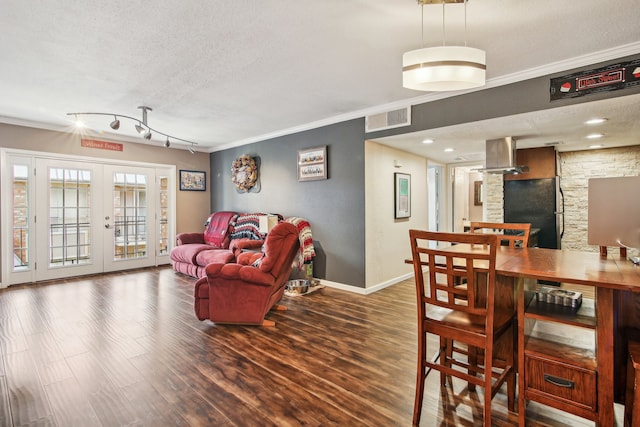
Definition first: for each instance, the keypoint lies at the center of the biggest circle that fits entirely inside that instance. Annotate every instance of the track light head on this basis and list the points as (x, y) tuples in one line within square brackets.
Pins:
[(115, 124), (147, 135), (139, 128), (167, 143), (191, 150)]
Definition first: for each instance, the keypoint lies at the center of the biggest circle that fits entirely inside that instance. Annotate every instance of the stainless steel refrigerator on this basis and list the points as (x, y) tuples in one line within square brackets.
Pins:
[(539, 202)]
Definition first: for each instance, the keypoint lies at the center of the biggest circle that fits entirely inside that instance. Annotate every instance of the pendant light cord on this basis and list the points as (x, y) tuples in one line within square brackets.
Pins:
[(422, 20), (465, 23), (444, 37)]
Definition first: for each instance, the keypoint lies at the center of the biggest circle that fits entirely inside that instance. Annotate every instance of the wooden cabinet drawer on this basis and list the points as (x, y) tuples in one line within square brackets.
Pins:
[(560, 383)]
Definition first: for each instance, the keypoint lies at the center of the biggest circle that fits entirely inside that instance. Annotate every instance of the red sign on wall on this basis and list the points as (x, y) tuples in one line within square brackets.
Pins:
[(613, 77), (102, 145)]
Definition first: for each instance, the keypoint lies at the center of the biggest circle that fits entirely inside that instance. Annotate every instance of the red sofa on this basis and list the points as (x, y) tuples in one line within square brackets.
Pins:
[(225, 236), (245, 291)]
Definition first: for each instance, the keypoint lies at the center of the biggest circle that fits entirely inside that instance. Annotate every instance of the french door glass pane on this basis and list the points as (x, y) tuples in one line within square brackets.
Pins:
[(163, 236), (130, 215), (69, 217), (20, 217)]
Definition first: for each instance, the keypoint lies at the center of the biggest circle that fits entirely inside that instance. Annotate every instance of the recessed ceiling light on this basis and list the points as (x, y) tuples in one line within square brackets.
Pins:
[(449, 150), (595, 121), (595, 135), (594, 146), (427, 141)]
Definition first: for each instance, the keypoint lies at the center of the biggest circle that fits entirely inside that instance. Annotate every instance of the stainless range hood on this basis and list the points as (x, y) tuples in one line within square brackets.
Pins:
[(501, 157)]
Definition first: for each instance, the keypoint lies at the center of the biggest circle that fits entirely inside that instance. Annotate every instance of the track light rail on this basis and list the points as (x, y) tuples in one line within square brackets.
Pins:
[(141, 124)]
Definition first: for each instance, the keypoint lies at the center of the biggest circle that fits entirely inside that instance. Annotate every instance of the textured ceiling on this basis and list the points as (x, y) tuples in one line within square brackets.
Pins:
[(224, 73)]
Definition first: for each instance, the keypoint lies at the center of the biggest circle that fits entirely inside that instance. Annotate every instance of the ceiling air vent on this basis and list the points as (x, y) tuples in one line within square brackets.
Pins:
[(388, 120)]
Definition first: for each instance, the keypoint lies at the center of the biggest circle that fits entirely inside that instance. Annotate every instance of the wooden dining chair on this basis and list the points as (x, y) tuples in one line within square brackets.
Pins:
[(479, 316), (516, 234)]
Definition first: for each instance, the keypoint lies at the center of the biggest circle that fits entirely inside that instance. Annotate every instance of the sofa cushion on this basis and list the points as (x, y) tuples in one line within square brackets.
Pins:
[(217, 256), (217, 232), (188, 253)]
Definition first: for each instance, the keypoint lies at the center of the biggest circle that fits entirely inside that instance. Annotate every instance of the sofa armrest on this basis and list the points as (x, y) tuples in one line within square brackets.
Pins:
[(238, 245), (188, 238)]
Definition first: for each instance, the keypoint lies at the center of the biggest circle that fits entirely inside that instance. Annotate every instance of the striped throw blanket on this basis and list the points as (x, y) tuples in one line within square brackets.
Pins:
[(307, 252)]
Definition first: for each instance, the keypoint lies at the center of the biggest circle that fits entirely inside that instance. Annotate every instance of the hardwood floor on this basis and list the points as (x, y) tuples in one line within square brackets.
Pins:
[(127, 349)]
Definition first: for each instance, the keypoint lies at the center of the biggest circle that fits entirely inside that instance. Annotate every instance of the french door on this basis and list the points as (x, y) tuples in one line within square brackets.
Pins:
[(72, 218)]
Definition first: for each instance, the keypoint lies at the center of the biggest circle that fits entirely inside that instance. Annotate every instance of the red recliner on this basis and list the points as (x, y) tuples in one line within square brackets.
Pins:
[(245, 291)]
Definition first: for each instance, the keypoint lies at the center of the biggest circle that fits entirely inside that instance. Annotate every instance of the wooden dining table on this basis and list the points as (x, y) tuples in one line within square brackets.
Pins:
[(617, 295)]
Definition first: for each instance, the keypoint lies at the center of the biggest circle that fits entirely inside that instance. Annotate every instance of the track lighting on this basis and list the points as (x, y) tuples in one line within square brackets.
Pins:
[(141, 126), (115, 124), (140, 129)]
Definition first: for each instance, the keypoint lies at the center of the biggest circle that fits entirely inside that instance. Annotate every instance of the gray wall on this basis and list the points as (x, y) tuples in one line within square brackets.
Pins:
[(334, 207)]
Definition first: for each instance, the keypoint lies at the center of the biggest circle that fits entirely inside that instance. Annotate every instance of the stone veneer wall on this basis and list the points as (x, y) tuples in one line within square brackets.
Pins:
[(493, 197), (576, 167)]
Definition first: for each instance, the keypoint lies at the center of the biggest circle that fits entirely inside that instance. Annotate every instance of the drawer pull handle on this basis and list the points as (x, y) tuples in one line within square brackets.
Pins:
[(560, 382)]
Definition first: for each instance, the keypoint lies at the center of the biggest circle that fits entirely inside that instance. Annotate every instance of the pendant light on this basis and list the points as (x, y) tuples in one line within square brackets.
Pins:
[(443, 68)]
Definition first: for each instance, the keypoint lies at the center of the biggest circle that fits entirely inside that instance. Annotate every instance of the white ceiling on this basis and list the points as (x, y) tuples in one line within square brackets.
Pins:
[(225, 73)]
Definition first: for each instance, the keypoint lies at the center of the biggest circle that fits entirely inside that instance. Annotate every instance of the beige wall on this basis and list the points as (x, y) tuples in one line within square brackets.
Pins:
[(387, 238), (192, 206)]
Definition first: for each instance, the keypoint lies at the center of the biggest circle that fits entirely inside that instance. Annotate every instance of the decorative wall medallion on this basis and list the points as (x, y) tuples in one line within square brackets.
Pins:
[(244, 174)]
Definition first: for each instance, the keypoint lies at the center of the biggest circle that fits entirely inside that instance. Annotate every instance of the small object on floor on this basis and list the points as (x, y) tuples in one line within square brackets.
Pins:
[(299, 287)]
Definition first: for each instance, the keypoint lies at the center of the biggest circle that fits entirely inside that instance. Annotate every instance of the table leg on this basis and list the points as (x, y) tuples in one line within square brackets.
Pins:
[(604, 351)]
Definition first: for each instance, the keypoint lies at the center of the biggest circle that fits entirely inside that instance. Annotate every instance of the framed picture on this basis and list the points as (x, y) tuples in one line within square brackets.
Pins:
[(312, 164), (193, 180), (477, 193), (402, 195)]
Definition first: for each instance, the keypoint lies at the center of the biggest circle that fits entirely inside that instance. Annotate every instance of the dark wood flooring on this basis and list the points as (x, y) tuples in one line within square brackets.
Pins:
[(126, 349)]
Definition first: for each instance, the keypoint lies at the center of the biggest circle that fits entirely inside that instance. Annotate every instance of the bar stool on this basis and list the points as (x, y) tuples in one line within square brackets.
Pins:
[(632, 398)]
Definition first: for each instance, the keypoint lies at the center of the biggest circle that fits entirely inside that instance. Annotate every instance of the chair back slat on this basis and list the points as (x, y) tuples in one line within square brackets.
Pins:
[(516, 234), (472, 263)]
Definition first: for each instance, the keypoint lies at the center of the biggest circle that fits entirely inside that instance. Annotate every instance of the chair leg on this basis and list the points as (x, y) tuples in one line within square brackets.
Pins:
[(511, 378), (420, 378), (473, 365), (446, 352), (488, 366)]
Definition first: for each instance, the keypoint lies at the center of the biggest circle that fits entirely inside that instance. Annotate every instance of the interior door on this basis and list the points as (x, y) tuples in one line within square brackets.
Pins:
[(67, 219), (129, 217)]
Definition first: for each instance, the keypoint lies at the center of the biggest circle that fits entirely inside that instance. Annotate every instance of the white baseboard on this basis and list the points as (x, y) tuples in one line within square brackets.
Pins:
[(367, 290)]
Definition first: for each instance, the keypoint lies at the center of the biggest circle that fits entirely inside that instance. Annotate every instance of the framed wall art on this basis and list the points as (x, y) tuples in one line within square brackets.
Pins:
[(402, 195), (312, 164), (477, 193), (193, 180)]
